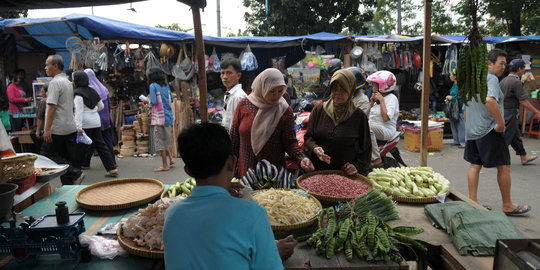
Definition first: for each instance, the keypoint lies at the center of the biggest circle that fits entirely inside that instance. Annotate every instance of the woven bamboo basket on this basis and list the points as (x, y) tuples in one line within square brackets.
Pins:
[(119, 194), (14, 168), (132, 248), (300, 225), (329, 199)]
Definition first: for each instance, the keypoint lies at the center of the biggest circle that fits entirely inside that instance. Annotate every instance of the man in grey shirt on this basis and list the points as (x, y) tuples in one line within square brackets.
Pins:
[(514, 95), (60, 130), (485, 146)]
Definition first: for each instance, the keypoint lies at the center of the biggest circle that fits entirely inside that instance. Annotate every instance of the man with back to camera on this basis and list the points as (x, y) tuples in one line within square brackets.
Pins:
[(485, 145), (231, 72), (60, 129), (514, 95), (211, 229)]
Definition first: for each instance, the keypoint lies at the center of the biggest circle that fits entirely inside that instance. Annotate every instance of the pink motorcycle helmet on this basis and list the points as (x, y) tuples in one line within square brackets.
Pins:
[(385, 79)]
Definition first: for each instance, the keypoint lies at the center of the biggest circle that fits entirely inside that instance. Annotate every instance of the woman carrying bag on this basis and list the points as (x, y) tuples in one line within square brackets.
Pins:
[(87, 103)]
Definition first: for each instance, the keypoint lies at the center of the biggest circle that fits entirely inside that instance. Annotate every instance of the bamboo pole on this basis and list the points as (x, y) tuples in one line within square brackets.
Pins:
[(199, 46), (425, 82)]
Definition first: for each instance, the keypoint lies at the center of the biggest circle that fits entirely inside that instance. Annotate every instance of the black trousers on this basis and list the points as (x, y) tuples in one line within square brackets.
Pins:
[(62, 151), (101, 147), (512, 134)]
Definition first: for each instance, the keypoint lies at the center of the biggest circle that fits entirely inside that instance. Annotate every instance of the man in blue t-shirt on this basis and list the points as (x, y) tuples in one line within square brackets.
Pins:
[(485, 146), (211, 229)]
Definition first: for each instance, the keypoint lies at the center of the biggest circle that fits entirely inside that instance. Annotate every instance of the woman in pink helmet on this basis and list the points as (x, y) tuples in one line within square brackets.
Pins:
[(384, 110)]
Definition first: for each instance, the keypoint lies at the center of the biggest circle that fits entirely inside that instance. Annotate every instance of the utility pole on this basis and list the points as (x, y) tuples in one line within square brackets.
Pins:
[(218, 19), (398, 17)]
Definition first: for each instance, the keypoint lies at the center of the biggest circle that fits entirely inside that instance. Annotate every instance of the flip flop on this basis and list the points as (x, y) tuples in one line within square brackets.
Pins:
[(519, 210), (161, 169), (171, 164), (529, 161)]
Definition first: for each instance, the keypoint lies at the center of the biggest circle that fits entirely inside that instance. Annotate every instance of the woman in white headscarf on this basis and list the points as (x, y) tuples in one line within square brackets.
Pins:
[(263, 125)]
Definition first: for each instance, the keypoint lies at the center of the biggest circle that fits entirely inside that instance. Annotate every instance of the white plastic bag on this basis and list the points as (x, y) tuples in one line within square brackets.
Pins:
[(248, 60), (103, 247), (6, 149), (213, 62), (83, 138)]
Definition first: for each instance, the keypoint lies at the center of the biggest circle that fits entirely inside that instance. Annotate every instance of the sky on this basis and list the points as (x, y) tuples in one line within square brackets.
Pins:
[(164, 12)]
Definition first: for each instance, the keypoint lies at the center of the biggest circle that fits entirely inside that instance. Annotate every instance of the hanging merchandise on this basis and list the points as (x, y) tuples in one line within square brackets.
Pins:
[(454, 57), (417, 60), (75, 46), (248, 60), (279, 63), (395, 56), (367, 65), (93, 52), (187, 66), (151, 61), (213, 62), (387, 57), (102, 63)]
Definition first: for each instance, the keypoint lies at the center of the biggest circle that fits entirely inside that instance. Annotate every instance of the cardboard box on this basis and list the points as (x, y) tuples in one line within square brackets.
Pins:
[(24, 136), (413, 140)]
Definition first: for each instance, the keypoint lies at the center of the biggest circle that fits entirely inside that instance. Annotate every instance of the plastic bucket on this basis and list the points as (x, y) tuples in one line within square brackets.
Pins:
[(7, 192)]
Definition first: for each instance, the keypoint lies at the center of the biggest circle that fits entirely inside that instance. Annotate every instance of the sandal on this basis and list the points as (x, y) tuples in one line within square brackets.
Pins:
[(111, 174), (519, 210), (529, 161), (161, 169), (172, 163)]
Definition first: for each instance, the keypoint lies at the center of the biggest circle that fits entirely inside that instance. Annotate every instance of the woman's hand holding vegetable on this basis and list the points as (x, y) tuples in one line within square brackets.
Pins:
[(80, 131), (321, 155), (349, 169), (235, 188), (307, 165), (449, 97)]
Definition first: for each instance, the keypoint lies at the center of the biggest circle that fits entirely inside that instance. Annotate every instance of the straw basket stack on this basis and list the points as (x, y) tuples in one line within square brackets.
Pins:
[(142, 143), (128, 141), (144, 122)]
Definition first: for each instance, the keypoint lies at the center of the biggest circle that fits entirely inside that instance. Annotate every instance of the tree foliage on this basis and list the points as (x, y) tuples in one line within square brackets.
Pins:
[(14, 13), (173, 26), (300, 17)]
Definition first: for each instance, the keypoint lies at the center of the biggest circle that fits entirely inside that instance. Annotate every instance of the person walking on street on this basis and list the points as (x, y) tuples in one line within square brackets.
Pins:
[(514, 95), (485, 146), (231, 72), (87, 104), (105, 117), (457, 125), (17, 99), (60, 131)]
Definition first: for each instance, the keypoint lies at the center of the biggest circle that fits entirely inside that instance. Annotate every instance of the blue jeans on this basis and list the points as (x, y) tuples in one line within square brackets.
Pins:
[(458, 130), (107, 137)]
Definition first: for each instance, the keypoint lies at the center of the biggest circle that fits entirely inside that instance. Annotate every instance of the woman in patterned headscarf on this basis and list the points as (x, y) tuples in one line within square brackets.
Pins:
[(337, 136), (263, 125)]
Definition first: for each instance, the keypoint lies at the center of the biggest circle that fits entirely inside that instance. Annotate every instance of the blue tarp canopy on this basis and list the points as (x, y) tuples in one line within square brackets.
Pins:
[(53, 33)]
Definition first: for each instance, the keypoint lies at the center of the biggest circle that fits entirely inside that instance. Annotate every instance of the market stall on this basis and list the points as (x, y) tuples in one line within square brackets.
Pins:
[(442, 253)]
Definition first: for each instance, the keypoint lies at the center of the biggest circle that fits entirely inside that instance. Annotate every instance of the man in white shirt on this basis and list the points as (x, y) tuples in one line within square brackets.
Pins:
[(231, 72), (60, 130)]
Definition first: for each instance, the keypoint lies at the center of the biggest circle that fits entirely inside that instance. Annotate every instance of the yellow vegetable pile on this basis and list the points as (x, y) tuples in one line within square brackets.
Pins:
[(285, 207), (417, 182)]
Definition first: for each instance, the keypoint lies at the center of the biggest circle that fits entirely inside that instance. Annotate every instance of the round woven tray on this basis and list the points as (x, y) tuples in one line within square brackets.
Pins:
[(119, 194), (328, 199), (414, 199), (297, 226), (132, 247)]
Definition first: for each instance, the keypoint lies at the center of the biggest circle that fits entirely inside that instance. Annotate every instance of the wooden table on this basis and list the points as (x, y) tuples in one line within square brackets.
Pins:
[(445, 255)]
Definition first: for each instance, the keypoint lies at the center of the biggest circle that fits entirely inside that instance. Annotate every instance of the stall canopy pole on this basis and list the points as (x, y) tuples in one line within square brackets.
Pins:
[(199, 46), (425, 82)]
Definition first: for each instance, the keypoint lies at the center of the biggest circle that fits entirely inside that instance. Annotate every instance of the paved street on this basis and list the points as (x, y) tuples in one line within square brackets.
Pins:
[(449, 162)]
